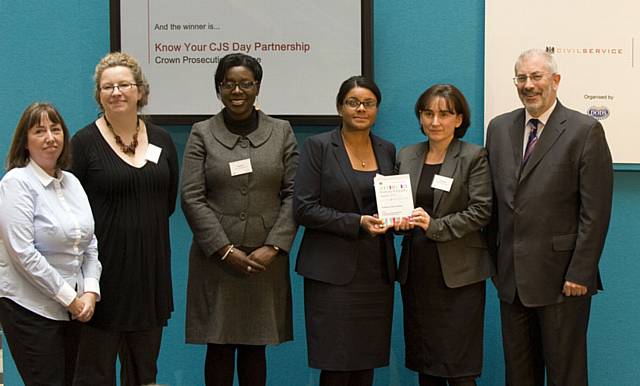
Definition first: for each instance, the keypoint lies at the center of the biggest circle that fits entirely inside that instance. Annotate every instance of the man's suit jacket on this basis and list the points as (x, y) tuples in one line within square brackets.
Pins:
[(458, 215), (327, 202), (552, 214)]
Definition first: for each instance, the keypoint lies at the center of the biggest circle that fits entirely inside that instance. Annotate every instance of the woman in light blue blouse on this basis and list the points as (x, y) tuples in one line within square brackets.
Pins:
[(49, 268)]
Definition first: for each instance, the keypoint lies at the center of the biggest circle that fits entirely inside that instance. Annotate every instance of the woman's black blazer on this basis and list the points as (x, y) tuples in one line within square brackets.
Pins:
[(327, 204)]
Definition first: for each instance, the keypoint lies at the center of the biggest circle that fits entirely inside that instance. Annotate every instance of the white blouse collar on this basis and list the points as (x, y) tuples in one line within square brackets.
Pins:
[(44, 178)]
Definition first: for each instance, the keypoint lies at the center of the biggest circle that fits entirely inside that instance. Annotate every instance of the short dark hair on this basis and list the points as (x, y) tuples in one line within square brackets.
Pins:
[(357, 81), (455, 100), (235, 60), (18, 154)]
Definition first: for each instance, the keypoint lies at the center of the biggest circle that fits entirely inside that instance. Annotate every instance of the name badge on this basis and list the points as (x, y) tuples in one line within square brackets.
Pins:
[(442, 182), (153, 153), (240, 167)]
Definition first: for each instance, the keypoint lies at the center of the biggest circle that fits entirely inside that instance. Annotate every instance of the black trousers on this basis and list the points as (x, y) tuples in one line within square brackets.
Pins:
[(98, 349), (43, 349), (552, 337)]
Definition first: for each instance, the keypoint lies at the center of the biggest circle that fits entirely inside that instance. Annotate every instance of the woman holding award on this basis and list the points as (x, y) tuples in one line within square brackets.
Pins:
[(346, 256), (445, 260)]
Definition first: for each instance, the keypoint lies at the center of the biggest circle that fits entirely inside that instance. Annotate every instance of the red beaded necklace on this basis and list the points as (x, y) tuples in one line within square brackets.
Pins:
[(126, 149)]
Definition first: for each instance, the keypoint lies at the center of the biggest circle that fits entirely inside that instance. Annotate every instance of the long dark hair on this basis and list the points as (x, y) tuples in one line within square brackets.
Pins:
[(18, 153)]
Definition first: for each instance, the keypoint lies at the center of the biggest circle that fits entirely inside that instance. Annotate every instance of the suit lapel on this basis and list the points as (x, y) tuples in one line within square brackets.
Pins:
[(448, 168), (385, 164), (516, 132), (340, 153), (414, 167), (552, 130), (221, 133), (262, 133)]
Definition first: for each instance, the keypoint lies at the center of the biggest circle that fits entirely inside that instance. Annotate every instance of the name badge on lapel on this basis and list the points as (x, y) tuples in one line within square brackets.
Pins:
[(442, 182), (153, 153), (240, 167)]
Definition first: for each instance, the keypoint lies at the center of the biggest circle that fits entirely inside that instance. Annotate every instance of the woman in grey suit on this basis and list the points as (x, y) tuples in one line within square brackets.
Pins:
[(445, 260), (237, 186)]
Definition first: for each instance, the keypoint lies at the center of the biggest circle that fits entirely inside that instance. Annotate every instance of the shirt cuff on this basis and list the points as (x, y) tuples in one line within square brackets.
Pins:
[(66, 295), (92, 285)]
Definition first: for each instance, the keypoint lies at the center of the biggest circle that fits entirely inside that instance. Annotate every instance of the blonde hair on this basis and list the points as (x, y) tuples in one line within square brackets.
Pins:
[(116, 59)]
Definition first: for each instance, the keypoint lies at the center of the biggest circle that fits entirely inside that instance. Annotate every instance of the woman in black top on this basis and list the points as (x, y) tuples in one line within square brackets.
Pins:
[(346, 256), (129, 170), (445, 260)]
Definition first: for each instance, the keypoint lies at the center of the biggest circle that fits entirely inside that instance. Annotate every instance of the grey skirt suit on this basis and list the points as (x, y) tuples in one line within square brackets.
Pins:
[(248, 210), (442, 270)]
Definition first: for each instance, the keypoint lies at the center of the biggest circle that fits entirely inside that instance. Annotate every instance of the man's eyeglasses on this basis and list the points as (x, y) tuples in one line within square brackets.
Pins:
[(535, 77)]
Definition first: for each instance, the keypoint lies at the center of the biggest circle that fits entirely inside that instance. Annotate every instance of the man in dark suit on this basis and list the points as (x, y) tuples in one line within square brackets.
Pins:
[(552, 178)]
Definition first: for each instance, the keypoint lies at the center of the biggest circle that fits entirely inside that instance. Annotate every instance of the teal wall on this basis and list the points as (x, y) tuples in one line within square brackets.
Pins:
[(48, 52)]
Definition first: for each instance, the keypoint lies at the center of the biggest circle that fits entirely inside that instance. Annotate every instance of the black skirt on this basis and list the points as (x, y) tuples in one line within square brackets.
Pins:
[(443, 327), (349, 326)]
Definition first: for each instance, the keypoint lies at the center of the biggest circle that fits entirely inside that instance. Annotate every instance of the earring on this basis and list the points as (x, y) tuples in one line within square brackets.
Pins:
[(256, 104)]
